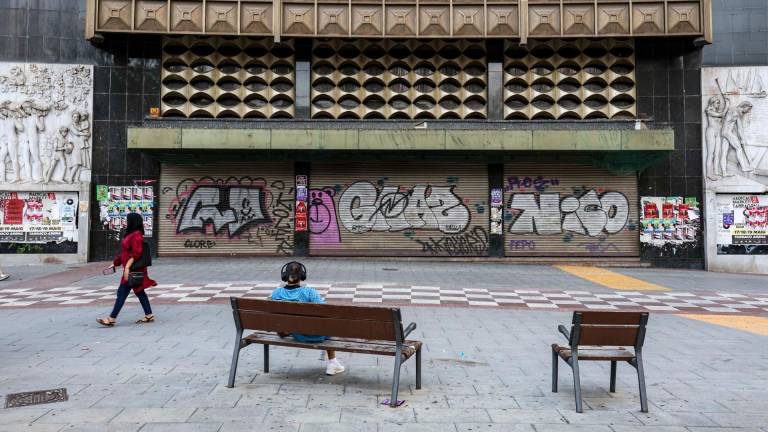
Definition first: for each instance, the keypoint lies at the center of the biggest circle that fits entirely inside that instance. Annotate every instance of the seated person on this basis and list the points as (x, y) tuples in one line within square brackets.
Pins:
[(292, 274)]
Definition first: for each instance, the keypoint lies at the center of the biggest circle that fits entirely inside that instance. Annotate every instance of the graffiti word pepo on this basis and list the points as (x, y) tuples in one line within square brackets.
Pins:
[(232, 207), (522, 244), (591, 214), (539, 183), (363, 208)]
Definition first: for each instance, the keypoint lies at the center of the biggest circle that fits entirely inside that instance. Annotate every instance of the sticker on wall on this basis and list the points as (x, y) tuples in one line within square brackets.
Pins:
[(115, 202), (497, 203), (742, 224), (29, 217), (669, 220)]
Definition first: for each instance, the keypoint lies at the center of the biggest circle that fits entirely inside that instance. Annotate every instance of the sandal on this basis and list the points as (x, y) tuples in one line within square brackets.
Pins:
[(147, 319), (105, 322)]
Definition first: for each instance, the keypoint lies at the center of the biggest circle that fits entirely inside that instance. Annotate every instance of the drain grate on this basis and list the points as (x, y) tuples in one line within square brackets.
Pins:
[(389, 269), (16, 400)]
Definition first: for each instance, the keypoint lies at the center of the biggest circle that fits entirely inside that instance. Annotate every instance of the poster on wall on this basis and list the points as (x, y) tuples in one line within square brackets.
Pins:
[(742, 224), (669, 220), (115, 202), (38, 217)]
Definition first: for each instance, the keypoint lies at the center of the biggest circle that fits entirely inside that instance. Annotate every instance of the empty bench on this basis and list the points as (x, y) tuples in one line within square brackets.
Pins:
[(355, 329), (601, 336)]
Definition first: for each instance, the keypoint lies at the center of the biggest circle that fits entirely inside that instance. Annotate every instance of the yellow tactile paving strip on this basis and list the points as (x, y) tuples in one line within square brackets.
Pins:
[(752, 324), (611, 279)]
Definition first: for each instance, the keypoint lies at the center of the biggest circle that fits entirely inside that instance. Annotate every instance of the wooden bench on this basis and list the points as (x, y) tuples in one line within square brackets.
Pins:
[(600, 336), (356, 329)]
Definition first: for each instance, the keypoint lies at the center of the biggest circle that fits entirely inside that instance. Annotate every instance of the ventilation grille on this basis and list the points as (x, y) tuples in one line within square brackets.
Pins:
[(220, 77), (578, 79), (414, 79)]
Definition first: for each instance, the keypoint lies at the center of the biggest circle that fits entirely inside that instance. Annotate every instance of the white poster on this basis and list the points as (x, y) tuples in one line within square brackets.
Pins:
[(742, 224), (38, 217)]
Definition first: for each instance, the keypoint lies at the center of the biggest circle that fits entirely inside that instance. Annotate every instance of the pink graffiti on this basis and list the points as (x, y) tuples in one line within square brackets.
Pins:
[(323, 227)]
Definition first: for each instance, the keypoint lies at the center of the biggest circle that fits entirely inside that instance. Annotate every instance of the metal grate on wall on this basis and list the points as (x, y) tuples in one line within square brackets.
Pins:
[(570, 79), (387, 79), (228, 77)]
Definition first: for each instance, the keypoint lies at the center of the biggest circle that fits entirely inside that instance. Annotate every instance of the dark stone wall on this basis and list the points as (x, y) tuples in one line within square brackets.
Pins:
[(669, 92), (126, 84), (740, 30)]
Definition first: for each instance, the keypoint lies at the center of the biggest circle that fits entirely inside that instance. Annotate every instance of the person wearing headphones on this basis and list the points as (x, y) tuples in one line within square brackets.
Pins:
[(292, 274)]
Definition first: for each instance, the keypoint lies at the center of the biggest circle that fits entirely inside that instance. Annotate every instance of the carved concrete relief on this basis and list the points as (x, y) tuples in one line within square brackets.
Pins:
[(735, 113), (46, 116)]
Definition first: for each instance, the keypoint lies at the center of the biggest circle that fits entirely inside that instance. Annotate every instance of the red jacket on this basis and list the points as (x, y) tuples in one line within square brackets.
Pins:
[(131, 247)]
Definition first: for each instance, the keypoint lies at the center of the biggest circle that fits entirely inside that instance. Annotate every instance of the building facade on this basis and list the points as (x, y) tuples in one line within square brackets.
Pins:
[(532, 130)]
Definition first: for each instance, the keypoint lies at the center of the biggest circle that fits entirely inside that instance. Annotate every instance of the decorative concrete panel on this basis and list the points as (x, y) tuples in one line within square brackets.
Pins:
[(115, 14), (298, 19), (544, 20), (576, 79), (256, 18), (578, 19), (332, 20), (186, 16), (367, 20), (683, 17), (151, 16), (401, 20), (221, 17), (502, 20), (468, 20), (434, 20), (613, 19), (648, 18)]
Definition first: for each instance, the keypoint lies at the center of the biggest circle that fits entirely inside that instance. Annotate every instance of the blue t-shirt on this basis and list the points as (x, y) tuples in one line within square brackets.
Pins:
[(301, 295)]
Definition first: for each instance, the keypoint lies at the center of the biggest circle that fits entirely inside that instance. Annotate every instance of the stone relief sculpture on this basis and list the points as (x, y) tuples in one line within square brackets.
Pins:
[(45, 127), (735, 124)]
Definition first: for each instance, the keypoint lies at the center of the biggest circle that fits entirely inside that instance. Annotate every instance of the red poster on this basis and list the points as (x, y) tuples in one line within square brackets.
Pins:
[(13, 212)]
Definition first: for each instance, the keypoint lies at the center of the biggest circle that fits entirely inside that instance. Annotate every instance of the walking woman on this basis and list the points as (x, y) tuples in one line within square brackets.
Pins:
[(130, 252)]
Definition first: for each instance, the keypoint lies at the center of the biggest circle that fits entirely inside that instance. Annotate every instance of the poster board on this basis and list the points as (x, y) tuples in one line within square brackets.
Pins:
[(38, 217)]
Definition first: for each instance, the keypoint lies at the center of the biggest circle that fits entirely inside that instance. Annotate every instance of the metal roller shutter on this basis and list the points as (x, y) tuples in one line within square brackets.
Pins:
[(558, 210), (398, 209), (226, 209)]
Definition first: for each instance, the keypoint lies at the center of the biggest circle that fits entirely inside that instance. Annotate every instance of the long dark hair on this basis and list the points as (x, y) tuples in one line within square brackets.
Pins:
[(134, 222)]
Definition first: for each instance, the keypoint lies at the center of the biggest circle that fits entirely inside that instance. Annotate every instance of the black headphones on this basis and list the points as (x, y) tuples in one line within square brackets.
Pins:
[(284, 271)]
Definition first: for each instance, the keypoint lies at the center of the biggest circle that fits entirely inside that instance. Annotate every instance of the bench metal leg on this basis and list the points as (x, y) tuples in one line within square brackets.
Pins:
[(266, 358), (235, 356), (641, 382), (418, 369), (613, 377), (576, 383), (396, 378), (554, 371)]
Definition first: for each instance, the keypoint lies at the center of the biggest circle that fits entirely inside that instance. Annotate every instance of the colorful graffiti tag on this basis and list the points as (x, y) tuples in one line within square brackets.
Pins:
[(250, 213), (417, 212)]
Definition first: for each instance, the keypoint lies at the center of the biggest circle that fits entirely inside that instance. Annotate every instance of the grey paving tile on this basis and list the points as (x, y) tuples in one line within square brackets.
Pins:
[(154, 415), (600, 417), (240, 426), (482, 401), (223, 415), (571, 428), (344, 401), (22, 415), (416, 427), (101, 427), (739, 420), (380, 414), (526, 416), (314, 415), (23, 427), (80, 415), (181, 427), (338, 427), (453, 415), (626, 428)]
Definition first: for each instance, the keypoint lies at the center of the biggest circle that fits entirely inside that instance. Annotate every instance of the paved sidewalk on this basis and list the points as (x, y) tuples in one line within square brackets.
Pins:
[(486, 371)]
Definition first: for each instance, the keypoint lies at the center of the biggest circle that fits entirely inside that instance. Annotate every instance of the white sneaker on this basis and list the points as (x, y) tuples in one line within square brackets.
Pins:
[(4, 277), (334, 367)]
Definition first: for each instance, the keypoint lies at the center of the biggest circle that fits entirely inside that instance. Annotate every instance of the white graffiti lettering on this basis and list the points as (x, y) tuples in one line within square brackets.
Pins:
[(590, 215), (231, 207), (363, 208)]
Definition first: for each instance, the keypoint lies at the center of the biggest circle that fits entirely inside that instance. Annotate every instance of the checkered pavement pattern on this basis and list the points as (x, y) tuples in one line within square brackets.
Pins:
[(370, 293)]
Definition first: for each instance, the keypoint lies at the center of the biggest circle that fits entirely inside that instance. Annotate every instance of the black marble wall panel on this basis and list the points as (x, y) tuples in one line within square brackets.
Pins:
[(740, 29)]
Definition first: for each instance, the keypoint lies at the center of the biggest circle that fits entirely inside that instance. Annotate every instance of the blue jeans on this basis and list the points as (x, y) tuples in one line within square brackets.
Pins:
[(122, 293)]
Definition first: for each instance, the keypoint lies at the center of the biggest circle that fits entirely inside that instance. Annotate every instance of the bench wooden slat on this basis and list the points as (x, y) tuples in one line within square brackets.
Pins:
[(614, 318), (367, 313), (337, 344), (607, 335), (314, 325), (601, 354)]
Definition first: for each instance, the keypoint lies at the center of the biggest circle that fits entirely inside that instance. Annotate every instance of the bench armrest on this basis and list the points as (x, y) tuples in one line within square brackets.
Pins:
[(411, 327), (561, 328)]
